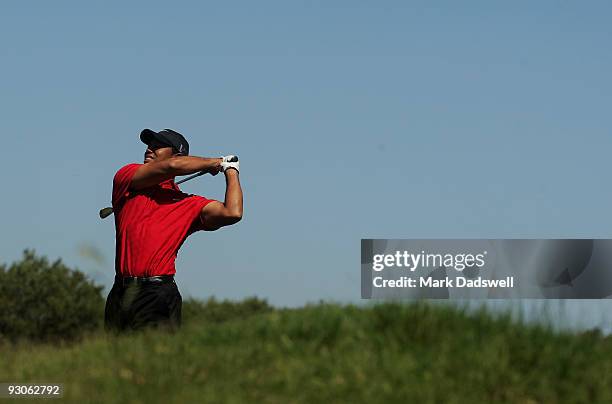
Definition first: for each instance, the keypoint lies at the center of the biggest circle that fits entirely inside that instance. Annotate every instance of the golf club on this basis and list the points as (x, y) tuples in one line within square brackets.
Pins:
[(106, 212)]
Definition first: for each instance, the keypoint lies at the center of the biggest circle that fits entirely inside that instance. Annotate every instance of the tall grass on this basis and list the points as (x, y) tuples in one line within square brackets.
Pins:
[(251, 352)]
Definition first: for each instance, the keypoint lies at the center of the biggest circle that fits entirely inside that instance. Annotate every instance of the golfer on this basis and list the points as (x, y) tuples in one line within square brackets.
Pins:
[(152, 220)]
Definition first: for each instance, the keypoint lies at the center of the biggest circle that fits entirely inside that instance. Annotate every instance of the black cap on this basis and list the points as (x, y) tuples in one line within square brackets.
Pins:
[(169, 137)]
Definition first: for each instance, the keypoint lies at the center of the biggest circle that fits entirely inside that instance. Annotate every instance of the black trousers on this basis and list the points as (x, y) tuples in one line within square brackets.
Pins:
[(140, 305)]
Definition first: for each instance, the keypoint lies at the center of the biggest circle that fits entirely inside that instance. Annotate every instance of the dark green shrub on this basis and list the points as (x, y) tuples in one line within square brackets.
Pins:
[(47, 301), (215, 311)]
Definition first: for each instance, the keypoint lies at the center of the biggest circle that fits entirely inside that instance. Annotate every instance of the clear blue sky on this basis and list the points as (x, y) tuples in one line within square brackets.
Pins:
[(352, 120)]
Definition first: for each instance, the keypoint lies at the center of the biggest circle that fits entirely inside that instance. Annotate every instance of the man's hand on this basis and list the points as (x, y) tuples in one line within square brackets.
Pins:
[(230, 161), (216, 169)]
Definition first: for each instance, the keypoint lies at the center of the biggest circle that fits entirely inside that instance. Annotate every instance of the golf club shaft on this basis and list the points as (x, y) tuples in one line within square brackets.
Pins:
[(190, 177)]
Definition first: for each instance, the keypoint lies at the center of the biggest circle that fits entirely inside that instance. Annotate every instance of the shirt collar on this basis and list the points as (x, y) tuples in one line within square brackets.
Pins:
[(169, 184)]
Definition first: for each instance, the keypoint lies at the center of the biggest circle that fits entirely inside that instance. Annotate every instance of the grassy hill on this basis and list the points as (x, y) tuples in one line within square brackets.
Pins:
[(250, 352)]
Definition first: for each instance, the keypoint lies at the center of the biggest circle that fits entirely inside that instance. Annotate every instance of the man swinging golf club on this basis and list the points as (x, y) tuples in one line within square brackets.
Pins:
[(152, 220)]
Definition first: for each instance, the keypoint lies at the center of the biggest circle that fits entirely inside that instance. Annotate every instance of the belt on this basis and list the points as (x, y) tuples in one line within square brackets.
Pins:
[(128, 280)]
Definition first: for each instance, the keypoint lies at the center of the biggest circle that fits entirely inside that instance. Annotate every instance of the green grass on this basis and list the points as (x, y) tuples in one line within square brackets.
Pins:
[(326, 353)]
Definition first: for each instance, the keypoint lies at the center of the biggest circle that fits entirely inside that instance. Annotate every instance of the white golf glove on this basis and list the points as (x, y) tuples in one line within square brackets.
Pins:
[(230, 161)]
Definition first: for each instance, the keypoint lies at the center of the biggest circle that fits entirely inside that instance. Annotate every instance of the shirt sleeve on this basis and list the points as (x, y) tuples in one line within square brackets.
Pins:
[(200, 202), (121, 183)]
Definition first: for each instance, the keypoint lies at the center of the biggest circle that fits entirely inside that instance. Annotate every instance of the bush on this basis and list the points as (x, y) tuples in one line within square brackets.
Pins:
[(47, 302), (214, 311)]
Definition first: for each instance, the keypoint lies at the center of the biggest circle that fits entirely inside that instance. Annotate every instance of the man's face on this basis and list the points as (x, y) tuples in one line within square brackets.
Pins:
[(157, 151)]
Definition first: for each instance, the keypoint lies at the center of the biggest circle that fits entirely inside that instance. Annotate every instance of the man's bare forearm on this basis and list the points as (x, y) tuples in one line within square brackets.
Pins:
[(233, 194), (183, 165), (153, 173), (216, 215)]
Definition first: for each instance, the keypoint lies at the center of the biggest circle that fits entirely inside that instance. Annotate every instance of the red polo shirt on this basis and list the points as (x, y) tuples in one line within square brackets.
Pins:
[(151, 224)]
